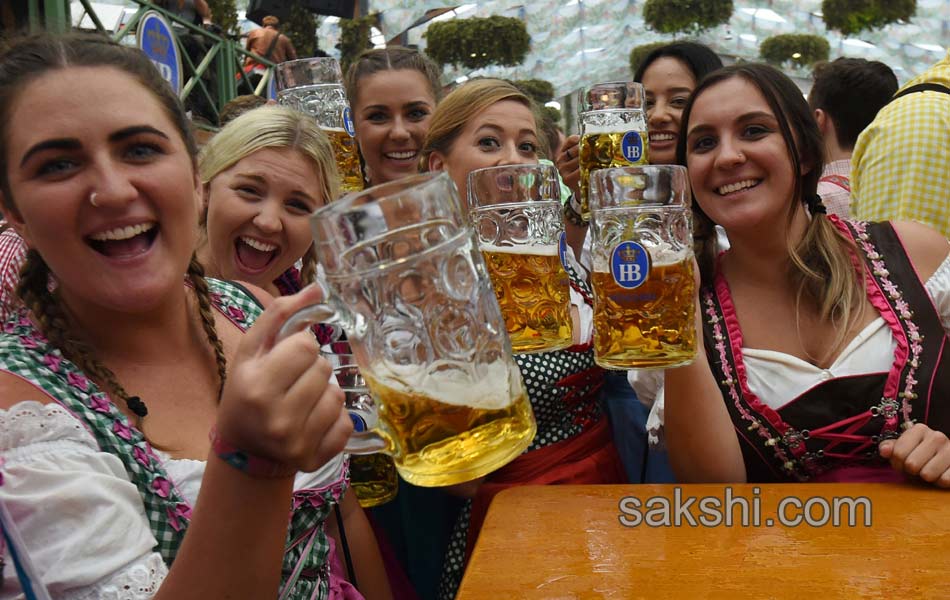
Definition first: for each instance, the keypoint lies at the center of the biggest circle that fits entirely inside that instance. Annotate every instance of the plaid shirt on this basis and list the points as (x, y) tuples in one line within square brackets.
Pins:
[(900, 168), (12, 257), (834, 188)]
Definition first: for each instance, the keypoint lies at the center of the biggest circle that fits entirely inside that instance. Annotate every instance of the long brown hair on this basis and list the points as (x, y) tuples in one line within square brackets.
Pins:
[(26, 61), (822, 271)]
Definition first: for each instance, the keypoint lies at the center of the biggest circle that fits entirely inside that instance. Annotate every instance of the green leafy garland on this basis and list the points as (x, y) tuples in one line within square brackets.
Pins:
[(802, 50), (478, 42), (301, 28), (853, 16), (539, 90), (355, 37), (686, 16)]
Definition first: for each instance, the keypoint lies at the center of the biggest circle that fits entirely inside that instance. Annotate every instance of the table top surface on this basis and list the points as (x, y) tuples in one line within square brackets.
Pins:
[(620, 541)]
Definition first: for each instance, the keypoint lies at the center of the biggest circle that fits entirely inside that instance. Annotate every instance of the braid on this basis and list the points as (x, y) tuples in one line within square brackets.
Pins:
[(196, 274), (53, 322), (308, 269)]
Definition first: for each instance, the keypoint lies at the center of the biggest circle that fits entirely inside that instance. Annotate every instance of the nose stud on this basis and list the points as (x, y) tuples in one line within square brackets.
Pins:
[(92, 200)]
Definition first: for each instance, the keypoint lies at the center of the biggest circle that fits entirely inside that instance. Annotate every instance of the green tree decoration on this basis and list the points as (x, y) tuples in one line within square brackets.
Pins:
[(478, 42), (355, 37), (539, 90), (301, 28), (853, 16), (686, 16), (801, 50), (224, 15)]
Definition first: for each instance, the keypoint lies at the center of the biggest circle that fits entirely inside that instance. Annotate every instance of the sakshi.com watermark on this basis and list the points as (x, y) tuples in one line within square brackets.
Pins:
[(743, 510)]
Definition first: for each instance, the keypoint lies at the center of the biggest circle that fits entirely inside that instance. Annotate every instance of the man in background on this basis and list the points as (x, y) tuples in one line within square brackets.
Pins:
[(900, 169), (846, 96), (270, 43)]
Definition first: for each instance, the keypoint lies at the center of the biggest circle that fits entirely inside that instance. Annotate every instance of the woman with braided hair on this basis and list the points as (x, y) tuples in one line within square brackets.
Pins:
[(825, 340), (129, 382)]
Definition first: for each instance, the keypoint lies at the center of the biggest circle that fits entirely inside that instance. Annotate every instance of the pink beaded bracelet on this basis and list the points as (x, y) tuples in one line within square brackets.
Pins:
[(255, 466)]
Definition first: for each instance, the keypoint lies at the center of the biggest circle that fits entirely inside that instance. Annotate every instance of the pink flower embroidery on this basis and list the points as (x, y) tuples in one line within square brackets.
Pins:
[(236, 313), (180, 511), (100, 403), (142, 457), (52, 361), (161, 487), (28, 342), (77, 381), (122, 431)]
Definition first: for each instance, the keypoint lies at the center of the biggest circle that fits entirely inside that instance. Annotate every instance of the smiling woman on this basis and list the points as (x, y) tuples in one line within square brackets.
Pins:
[(263, 175)]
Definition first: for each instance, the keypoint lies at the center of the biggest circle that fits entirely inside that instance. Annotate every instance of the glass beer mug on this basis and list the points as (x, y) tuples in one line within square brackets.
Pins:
[(372, 476), (613, 131), (405, 278), (642, 247), (315, 86), (516, 213)]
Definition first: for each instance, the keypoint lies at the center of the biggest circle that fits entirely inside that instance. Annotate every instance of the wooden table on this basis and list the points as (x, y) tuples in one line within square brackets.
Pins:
[(561, 542)]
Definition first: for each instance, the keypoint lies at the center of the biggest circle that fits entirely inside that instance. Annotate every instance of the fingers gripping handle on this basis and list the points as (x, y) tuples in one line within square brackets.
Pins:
[(364, 440)]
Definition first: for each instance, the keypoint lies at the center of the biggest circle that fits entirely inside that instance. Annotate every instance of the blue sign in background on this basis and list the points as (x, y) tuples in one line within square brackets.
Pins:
[(157, 41), (630, 265)]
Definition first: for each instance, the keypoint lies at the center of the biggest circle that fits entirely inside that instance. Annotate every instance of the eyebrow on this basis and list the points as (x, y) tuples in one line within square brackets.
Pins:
[(414, 103), (751, 116), (75, 144), (499, 129), (675, 90)]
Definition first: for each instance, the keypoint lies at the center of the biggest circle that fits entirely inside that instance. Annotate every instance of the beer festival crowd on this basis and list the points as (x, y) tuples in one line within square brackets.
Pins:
[(378, 305)]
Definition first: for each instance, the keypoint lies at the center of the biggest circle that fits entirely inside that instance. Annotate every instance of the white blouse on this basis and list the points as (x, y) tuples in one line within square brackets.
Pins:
[(82, 520), (777, 378)]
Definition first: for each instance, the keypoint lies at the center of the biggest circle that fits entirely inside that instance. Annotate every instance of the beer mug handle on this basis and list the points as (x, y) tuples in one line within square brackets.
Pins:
[(361, 442)]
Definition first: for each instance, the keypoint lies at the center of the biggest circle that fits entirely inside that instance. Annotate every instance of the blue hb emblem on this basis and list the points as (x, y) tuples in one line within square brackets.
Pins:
[(632, 146), (359, 423), (348, 121), (630, 265), (562, 249)]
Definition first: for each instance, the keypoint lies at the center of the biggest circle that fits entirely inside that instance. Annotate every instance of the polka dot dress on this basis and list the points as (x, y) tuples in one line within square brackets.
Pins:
[(562, 387)]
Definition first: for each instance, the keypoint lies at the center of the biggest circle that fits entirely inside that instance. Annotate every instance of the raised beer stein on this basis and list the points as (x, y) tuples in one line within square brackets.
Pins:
[(405, 278), (372, 476), (642, 251), (516, 213), (613, 131), (315, 86)]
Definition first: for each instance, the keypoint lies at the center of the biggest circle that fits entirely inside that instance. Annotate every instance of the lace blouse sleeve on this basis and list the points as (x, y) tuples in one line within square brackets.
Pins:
[(938, 286), (82, 520)]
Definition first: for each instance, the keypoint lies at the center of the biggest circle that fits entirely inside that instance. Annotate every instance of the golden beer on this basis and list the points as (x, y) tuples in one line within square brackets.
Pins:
[(534, 295), (373, 479), (600, 150), (650, 326), (347, 159), (443, 431)]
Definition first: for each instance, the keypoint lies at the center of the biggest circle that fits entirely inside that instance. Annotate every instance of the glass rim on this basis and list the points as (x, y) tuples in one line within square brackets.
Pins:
[(290, 65), (600, 176), (601, 111), (518, 167), (310, 59), (381, 193)]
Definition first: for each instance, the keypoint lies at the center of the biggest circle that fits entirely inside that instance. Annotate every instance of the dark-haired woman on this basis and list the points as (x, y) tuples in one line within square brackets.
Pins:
[(825, 340), (137, 401)]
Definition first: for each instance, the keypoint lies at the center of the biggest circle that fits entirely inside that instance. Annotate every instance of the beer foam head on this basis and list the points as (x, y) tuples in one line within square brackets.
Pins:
[(525, 249), (614, 128), (487, 386)]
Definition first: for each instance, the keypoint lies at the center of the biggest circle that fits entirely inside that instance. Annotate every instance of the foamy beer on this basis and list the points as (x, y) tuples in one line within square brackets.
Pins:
[(405, 278), (516, 213), (642, 247), (613, 131), (315, 86), (372, 476)]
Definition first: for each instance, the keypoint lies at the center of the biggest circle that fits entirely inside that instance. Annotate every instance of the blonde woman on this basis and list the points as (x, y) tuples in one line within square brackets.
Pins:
[(484, 123)]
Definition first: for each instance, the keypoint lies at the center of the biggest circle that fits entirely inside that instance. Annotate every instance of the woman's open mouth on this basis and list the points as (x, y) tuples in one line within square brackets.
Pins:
[(124, 242), (254, 256)]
